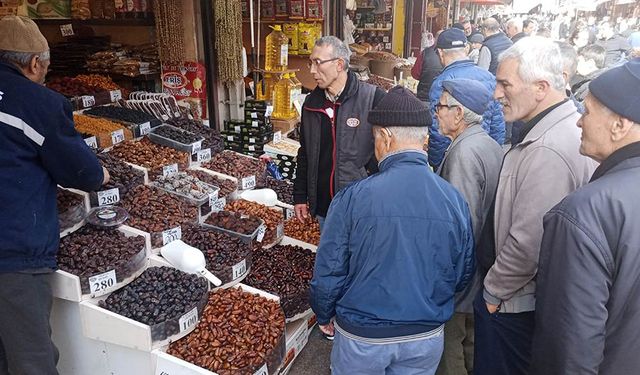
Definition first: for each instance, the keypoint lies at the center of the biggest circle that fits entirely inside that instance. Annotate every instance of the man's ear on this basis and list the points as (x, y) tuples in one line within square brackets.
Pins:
[(620, 127)]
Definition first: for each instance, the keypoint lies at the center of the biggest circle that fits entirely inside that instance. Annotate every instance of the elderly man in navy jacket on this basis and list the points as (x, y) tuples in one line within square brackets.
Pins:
[(396, 248), (40, 148)]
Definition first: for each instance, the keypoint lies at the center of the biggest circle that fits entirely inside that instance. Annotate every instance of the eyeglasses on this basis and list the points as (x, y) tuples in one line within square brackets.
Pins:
[(440, 106), (318, 62)]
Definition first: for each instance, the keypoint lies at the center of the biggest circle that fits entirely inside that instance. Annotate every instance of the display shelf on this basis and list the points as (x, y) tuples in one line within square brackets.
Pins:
[(96, 21), (373, 29)]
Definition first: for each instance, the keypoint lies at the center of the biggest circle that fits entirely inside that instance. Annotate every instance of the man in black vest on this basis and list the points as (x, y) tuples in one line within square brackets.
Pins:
[(495, 42), (336, 142)]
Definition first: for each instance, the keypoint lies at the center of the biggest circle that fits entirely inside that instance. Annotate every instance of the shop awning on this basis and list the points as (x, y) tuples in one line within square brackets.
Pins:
[(484, 2), (524, 6)]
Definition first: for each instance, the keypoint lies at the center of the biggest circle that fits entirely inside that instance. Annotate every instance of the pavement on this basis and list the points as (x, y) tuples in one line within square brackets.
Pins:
[(315, 358)]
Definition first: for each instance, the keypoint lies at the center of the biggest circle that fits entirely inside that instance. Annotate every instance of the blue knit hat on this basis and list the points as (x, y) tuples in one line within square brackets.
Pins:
[(470, 93), (619, 90)]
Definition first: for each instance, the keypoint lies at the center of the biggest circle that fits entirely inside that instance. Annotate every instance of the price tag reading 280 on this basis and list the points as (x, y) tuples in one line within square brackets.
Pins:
[(102, 282), (171, 235), (248, 183), (108, 197)]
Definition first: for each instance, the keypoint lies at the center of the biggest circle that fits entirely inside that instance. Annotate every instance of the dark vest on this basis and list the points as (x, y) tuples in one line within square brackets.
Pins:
[(431, 67), (497, 43)]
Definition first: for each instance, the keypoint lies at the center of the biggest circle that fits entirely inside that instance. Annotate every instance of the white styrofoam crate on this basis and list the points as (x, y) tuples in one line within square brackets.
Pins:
[(66, 286), (297, 338)]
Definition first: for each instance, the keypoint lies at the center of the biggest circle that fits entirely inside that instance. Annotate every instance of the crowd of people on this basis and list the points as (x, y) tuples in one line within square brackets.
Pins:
[(535, 273)]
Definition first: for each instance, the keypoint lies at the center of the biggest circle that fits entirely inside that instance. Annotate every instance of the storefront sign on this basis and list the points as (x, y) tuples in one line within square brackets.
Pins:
[(187, 82)]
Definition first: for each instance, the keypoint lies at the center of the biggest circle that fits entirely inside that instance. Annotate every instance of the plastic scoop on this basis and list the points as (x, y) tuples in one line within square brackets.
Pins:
[(266, 197), (188, 259)]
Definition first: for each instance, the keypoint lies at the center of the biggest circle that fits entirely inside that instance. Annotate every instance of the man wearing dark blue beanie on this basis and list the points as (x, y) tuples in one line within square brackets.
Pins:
[(587, 294)]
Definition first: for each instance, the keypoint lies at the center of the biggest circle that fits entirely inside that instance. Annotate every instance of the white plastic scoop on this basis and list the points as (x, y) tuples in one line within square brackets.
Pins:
[(188, 259), (267, 197)]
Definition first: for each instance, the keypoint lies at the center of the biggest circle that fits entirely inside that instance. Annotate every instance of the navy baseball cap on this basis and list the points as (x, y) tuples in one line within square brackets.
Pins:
[(470, 93), (451, 38)]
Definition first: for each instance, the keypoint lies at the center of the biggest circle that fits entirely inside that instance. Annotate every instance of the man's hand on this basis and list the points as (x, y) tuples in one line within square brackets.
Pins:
[(107, 177), (492, 308), (302, 212), (328, 329)]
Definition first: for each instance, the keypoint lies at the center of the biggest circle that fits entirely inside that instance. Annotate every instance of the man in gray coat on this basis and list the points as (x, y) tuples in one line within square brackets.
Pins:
[(542, 167), (472, 165), (588, 296)]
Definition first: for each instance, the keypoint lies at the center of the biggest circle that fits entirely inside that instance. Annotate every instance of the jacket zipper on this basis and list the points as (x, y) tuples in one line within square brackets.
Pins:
[(333, 165)]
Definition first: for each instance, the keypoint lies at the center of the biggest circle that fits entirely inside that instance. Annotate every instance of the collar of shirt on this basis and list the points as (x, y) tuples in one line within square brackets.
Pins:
[(617, 157), (333, 98), (526, 128)]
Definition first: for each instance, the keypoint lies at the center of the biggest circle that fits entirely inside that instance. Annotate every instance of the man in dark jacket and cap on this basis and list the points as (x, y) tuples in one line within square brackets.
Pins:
[(396, 248), (588, 294)]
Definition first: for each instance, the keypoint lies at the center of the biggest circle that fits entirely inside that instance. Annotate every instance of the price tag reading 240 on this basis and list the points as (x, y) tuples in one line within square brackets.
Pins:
[(203, 155), (248, 183), (108, 197), (171, 235), (102, 282), (188, 320)]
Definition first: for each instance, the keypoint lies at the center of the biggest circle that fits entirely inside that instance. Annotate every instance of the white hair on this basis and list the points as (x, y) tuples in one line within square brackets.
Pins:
[(410, 134), (470, 118), (22, 59), (539, 59)]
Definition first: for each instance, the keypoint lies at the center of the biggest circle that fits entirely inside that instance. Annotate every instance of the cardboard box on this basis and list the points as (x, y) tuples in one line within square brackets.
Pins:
[(285, 125)]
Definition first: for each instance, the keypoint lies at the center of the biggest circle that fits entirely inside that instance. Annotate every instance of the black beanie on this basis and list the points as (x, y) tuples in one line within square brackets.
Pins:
[(400, 107), (618, 89)]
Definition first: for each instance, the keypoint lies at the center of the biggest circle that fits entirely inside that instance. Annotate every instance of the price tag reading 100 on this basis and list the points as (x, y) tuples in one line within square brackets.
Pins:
[(188, 320)]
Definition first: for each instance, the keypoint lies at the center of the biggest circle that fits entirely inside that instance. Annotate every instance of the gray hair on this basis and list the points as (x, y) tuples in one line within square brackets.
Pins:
[(515, 22), (569, 58), (454, 52), (539, 59), (410, 134), (470, 118), (340, 49), (491, 24), (21, 59)]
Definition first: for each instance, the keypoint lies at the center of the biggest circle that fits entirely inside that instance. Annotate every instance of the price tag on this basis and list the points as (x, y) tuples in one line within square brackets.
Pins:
[(219, 205), (254, 114), (239, 269), (262, 230), (252, 148), (102, 282), (117, 136), (203, 155), (88, 101), (262, 370), (108, 197), (254, 124), (115, 95), (213, 197), (277, 137), (91, 142), (171, 235), (269, 111), (196, 147), (169, 170), (280, 230), (145, 128), (230, 138), (188, 320), (67, 30), (237, 129), (289, 213), (248, 183), (252, 140)]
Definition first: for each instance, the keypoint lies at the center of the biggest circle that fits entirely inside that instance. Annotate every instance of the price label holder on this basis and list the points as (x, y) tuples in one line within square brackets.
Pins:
[(219, 204), (145, 128), (280, 230), (203, 155), (277, 137), (252, 140), (248, 183), (213, 197), (102, 282), (239, 269), (230, 138), (169, 170), (252, 148), (289, 213), (171, 235), (269, 111), (188, 320), (115, 95), (262, 230), (237, 129), (196, 147), (108, 197), (254, 114), (67, 30), (117, 136), (262, 370), (255, 124), (91, 142), (88, 101)]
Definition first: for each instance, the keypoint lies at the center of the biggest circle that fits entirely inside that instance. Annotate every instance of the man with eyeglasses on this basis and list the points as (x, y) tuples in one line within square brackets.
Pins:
[(40, 148), (336, 143)]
